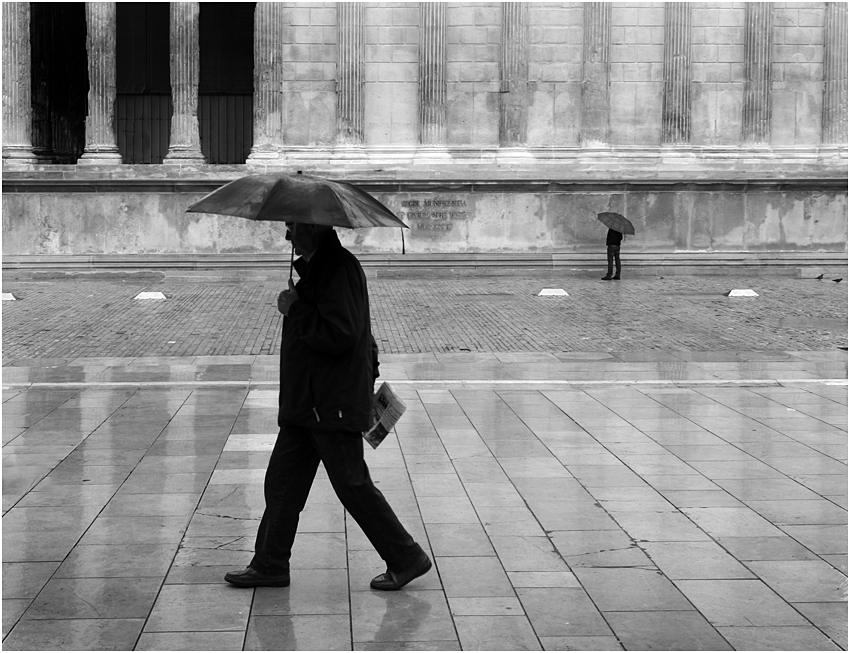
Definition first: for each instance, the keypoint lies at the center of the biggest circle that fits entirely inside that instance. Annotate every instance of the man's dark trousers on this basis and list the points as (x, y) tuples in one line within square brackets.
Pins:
[(289, 476), (613, 259)]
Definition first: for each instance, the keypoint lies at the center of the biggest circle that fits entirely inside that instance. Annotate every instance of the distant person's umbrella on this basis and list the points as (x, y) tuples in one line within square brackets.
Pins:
[(616, 222), (304, 199)]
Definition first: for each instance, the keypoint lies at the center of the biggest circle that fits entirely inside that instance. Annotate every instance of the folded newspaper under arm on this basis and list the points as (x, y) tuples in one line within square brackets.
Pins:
[(387, 409)]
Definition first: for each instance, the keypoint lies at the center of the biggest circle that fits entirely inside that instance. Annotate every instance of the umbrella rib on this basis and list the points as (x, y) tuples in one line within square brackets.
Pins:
[(266, 198)]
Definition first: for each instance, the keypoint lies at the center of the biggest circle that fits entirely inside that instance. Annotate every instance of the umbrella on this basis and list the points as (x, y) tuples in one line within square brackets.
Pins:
[(297, 198), (616, 222)]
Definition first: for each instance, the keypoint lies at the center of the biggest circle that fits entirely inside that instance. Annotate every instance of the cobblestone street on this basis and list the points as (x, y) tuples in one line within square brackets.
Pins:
[(643, 465), (71, 319)]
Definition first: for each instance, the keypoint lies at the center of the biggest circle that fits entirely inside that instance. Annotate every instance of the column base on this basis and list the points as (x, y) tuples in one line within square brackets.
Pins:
[(100, 157), (19, 154), (187, 157)]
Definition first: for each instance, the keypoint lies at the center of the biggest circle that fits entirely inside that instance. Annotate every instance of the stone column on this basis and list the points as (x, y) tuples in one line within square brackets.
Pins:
[(595, 108), (101, 146), (41, 36), (349, 98), (835, 75), (17, 103), (185, 143), (268, 80), (676, 121), (432, 73), (513, 96), (757, 63)]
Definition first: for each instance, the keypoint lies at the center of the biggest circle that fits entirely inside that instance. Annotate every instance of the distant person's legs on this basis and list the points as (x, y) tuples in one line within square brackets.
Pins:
[(616, 249), (608, 276)]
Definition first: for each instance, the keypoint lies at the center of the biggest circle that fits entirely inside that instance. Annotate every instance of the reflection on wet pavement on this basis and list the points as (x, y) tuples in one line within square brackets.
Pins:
[(681, 500)]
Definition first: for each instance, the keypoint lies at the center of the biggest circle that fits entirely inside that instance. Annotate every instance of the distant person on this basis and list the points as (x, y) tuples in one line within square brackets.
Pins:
[(613, 242), (328, 367)]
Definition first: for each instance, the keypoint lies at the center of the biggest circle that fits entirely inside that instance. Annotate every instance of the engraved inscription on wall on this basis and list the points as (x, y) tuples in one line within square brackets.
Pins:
[(427, 214)]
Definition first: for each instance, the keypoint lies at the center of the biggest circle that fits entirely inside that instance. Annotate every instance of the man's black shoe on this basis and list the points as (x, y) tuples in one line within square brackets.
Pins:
[(395, 580), (250, 577), (607, 277), (616, 277)]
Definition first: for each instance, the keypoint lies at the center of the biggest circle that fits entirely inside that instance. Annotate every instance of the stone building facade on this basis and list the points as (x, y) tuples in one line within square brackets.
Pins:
[(493, 128)]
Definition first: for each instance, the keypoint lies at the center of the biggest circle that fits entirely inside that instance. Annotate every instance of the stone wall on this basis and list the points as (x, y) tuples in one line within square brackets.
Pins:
[(466, 218), (553, 112)]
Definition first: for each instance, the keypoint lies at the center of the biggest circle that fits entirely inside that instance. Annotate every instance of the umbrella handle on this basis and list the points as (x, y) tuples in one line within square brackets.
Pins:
[(291, 260)]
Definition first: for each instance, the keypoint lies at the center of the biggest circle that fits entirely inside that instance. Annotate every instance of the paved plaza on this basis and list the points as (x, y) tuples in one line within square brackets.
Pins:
[(639, 465)]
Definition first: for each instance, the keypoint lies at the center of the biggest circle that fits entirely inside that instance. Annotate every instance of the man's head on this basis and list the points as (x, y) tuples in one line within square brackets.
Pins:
[(306, 237)]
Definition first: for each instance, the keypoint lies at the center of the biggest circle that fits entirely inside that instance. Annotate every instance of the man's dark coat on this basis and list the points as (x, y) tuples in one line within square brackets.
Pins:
[(328, 357)]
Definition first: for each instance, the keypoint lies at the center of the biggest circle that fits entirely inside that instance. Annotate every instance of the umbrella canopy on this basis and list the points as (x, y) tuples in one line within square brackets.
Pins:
[(297, 198), (616, 222)]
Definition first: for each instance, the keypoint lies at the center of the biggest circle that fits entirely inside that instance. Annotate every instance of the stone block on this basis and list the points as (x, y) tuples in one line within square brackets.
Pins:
[(725, 35), (297, 16), (798, 35), (617, 35), (811, 17), (323, 16), (763, 225), (725, 213), (541, 117), (703, 53), (641, 35), (785, 14), (460, 114), (567, 116), (718, 72), (488, 14), (460, 15), (731, 15), (809, 115), (705, 17), (487, 52), (625, 15), (730, 53), (651, 15), (650, 53), (622, 53), (783, 124)]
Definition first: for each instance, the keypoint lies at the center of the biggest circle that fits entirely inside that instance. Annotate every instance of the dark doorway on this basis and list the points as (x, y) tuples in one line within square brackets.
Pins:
[(60, 80), (226, 89), (143, 104)]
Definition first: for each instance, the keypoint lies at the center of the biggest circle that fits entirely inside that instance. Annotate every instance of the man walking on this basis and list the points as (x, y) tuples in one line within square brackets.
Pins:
[(328, 367)]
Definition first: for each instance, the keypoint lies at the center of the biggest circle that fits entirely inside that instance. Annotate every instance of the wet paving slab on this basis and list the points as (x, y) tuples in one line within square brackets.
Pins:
[(602, 501)]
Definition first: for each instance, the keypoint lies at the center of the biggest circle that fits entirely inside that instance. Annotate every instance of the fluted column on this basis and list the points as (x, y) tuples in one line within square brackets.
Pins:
[(757, 63), (101, 146), (268, 80), (349, 98), (835, 74), (41, 35), (676, 124), (595, 109), (513, 114), (185, 143), (432, 73), (17, 105)]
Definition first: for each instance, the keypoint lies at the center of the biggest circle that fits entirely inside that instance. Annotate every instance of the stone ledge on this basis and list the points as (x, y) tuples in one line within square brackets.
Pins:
[(236, 266)]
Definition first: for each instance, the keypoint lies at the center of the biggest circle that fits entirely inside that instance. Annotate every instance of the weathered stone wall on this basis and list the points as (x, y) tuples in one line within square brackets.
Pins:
[(748, 168), (468, 220)]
